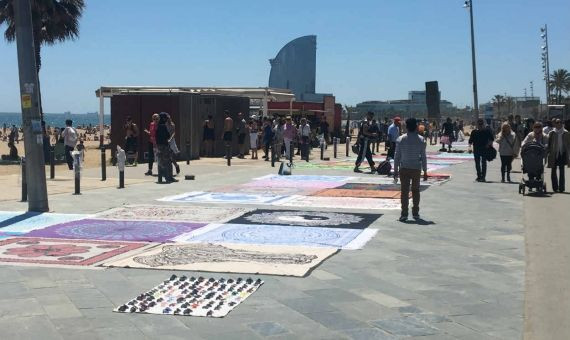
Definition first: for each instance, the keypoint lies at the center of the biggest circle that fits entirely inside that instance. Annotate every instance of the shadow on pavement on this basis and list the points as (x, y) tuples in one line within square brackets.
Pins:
[(419, 221)]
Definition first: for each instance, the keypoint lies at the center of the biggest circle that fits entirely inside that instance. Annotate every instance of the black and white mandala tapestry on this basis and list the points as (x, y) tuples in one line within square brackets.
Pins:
[(307, 218)]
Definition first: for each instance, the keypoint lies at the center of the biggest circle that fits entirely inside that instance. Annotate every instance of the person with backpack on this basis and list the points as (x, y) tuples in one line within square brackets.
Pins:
[(409, 160), (365, 136), (69, 140)]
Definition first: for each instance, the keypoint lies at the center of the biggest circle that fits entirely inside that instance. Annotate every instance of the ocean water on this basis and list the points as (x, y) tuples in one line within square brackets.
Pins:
[(54, 119)]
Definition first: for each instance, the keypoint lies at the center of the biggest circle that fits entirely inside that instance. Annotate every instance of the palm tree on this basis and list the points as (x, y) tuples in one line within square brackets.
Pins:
[(498, 101), (53, 21), (560, 82)]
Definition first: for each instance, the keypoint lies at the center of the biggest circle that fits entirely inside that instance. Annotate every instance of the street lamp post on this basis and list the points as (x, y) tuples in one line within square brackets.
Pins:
[(545, 61), (469, 4), (31, 120)]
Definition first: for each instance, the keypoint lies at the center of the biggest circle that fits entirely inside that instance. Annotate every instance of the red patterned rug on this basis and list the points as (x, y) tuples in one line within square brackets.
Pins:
[(45, 251)]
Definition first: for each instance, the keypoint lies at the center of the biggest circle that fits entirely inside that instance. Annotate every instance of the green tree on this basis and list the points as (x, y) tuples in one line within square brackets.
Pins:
[(53, 21), (498, 102), (560, 82)]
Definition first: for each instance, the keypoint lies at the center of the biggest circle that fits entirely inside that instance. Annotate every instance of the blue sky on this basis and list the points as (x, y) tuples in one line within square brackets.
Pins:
[(366, 50)]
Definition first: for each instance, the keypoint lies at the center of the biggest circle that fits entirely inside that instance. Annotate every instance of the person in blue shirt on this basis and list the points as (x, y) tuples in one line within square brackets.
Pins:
[(393, 135)]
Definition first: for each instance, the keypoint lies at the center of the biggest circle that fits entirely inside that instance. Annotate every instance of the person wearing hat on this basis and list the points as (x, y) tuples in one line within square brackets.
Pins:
[(393, 135), (365, 136)]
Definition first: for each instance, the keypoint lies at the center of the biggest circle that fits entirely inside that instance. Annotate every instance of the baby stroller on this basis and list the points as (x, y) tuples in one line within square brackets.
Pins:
[(532, 155)]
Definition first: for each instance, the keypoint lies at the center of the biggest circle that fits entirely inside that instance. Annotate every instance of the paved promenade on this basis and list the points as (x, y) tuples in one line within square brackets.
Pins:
[(460, 275)]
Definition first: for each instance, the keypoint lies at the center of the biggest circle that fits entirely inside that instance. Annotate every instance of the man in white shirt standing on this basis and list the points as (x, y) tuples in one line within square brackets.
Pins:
[(409, 160), (69, 140)]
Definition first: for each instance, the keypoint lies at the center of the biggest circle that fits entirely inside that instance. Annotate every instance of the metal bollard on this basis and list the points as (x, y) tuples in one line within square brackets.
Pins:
[(103, 164), (228, 154), (121, 159), (77, 170), (291, 152), (347, 145), (187, 152), (52, 162), (273, 155), (322, 151), (24, 181), (335, 142)]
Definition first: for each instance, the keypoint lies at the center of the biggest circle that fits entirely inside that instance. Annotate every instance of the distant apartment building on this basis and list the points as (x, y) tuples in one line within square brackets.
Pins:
[(526, 107), (414, 106)]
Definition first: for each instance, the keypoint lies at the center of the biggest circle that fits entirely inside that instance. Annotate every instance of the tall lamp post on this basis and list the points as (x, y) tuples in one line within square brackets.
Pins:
[(545, 61), (31, 120), (469, 4)]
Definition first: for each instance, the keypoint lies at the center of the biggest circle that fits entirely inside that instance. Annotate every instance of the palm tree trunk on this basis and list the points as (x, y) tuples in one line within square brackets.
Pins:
[(37, 48)]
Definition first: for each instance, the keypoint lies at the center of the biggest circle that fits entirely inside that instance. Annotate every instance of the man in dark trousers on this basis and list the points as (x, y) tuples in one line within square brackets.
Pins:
[(481, 139), (409, 161), (365, 135)]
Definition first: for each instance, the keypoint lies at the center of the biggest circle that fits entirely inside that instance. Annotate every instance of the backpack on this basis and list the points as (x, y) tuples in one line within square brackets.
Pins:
[(384, 168)]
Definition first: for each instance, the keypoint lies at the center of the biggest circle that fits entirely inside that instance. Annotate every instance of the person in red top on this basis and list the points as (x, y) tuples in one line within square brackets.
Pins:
[(151, 132)]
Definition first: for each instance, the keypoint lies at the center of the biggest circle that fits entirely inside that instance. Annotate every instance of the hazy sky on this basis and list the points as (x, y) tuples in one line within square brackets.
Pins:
[(366, 50)]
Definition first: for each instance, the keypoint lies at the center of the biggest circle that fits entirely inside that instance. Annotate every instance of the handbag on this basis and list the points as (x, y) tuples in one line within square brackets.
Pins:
[(356, 148), (490, 154), (173, 146), (285, 169)]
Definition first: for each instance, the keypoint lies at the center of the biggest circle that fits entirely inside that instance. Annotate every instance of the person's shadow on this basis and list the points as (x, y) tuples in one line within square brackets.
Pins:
[(419, 221)]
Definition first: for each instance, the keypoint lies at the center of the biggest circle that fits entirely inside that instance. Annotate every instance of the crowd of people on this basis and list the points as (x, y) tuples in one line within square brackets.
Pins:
[(278, 135), (408, 150)]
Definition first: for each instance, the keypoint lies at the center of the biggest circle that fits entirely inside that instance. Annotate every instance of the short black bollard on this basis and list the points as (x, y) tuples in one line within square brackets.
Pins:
[(187, 152), (103, 164), (347, 145), (291, 152), (322, 151), (273, 155), (24, 181), (121, 179), (228, 155), (52, 162), (77, 171), (335, 143)]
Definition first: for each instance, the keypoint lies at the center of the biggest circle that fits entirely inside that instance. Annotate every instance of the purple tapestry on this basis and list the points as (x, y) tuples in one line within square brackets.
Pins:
[(113, 230)]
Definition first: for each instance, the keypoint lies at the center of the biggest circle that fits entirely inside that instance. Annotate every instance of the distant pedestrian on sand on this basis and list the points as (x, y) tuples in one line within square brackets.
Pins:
[(70, 137), (409, 160)]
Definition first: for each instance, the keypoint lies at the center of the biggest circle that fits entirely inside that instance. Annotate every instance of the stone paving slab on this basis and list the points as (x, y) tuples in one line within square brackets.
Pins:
[(460, 277)]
